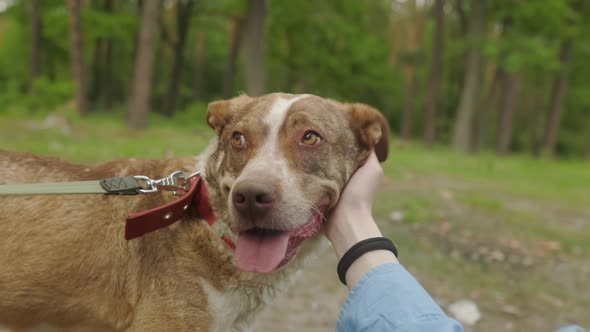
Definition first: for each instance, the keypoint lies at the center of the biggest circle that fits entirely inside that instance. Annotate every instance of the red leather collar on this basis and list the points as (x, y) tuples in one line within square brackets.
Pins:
[(194, 201)]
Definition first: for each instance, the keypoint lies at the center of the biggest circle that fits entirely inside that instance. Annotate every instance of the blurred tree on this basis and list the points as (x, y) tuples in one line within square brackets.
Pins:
[(338, 49), (255, 48), (184, 11), (235, 40), (557, 97), (535, 110), (102, 67), (488, 107), (35, 42), (77, 55), (464, 132), (435, 69), (507, 87), (164, 46), (140, 92), (506, 113), (413, 33), (199, 66)]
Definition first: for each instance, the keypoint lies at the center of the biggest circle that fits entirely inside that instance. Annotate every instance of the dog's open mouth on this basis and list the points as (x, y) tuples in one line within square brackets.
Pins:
[(265, 250)]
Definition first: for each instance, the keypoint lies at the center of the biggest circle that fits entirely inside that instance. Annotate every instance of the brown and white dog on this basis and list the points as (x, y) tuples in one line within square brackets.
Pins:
[(278, 164)]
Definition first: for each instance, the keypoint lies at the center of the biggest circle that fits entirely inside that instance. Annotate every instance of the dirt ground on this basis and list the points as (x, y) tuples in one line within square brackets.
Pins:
[(312, 304), (314, 301)]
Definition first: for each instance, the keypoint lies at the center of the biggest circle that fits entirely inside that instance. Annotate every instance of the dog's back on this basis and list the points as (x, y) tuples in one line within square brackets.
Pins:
[(69, 249)]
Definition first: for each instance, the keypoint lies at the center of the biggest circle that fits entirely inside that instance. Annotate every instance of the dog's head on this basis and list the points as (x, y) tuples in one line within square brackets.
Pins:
[(280, 164)]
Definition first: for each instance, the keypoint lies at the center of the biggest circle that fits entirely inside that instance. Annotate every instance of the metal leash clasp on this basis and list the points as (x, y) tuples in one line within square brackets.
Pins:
[(176, 182)]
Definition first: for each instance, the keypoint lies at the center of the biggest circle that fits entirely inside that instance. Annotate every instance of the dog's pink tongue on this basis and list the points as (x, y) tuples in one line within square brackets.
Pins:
[(260, 252)]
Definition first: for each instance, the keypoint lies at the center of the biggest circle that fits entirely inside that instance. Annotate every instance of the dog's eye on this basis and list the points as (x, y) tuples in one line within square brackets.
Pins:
[(238, 139), (311, 138)]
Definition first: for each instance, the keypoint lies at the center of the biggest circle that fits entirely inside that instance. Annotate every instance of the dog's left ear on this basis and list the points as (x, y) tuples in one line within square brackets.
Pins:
[(220, 113), (371, 129)]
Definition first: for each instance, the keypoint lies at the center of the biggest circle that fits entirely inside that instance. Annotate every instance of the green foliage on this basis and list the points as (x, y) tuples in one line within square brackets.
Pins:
[(13, 55), (347, 50), (192, 116), (320, 47)]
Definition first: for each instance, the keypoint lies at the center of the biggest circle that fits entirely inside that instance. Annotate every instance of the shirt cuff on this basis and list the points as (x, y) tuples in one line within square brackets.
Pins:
[(388, 296)]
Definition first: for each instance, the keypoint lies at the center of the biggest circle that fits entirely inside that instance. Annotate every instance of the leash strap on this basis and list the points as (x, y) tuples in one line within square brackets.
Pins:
[(120, 185), (194, 199), (76, 187), (126, 185)]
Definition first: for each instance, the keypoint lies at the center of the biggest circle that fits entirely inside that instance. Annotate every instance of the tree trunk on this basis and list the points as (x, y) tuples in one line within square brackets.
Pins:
[(107, 86), (96, 79), (183, 15), (409, 72), (435, 72), (506, 113), (463, 133), (161, 56), (102, 84), (531, 106), (482, 121), (232, 55), (77, 55), (492, 102), (255, 48), (463, 22), (36, 33), (406, 120), (289, 62), (199, 66), (142, 74), (557, 96)]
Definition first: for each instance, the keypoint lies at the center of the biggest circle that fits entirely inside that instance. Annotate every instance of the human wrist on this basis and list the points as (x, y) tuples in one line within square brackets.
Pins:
[(366, 263), (351, 228)]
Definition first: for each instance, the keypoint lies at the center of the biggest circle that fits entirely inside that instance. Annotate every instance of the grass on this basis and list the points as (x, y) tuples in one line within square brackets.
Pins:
[(531, 210), (452, 206), (100, 137), (563, 181)]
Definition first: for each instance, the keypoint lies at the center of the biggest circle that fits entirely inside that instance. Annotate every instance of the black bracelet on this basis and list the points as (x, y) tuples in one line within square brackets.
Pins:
[(360, 248)]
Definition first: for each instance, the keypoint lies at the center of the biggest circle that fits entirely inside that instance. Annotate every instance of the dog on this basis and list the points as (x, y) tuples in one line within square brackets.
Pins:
[(276, 167)]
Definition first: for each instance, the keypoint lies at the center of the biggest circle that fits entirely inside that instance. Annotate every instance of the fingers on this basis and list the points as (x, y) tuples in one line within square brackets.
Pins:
[(373, 158), (364, 182), (370, 170)]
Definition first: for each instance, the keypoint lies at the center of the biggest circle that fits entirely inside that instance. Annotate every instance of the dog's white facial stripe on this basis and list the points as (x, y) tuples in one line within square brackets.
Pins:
[(269, 158), (270, 162), (219, 160)]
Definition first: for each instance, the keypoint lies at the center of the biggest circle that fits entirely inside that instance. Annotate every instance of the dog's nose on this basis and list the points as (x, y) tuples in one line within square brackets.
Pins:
[(253, 199)]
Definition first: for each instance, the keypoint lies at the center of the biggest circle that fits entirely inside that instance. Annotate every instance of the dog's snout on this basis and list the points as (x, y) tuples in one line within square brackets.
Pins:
[(253, 199)]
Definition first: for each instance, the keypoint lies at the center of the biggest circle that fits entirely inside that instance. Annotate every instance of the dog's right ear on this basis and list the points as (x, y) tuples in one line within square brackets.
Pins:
[(372, 130), (220, 113)]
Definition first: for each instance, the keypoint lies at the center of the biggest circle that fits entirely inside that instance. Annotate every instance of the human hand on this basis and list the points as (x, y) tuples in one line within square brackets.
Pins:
[(351, 220), (361, 187)]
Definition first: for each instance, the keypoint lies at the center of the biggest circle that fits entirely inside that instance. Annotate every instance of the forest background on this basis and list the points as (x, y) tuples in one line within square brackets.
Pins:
[(505, 76), (487, 188)]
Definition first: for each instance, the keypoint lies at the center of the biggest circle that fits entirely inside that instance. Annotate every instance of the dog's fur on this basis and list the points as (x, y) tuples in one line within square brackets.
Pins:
[(64, 261)]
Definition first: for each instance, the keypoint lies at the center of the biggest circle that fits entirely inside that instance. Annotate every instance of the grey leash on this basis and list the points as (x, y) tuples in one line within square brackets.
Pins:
[(126, 185)]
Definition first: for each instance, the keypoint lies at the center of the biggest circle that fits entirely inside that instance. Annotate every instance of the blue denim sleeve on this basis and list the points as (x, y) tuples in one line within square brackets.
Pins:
[(388, 298), (571, 328)]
